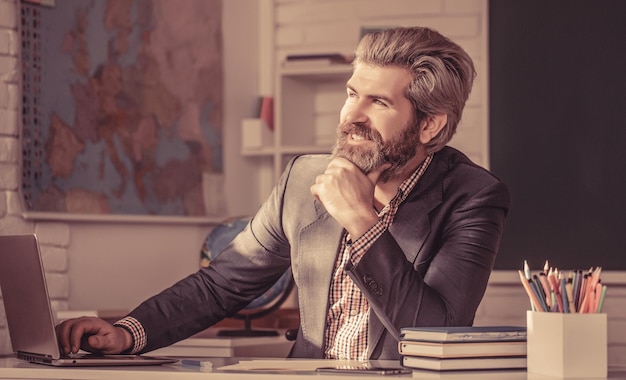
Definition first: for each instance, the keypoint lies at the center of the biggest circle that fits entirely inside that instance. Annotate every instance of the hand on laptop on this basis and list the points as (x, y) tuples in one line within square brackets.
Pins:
[(92, 335)]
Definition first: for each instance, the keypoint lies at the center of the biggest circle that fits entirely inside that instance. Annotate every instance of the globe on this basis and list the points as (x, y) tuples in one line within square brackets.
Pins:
[(215, 242)]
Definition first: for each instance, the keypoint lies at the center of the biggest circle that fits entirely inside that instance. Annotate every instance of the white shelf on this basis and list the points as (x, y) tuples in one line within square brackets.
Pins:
[(266, 151)]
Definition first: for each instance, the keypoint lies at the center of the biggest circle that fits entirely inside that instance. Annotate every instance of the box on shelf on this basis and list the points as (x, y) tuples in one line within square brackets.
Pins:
[(255, 134)]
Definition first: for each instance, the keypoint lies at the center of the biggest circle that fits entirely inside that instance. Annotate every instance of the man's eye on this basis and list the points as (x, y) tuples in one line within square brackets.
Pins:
[(380, 102)]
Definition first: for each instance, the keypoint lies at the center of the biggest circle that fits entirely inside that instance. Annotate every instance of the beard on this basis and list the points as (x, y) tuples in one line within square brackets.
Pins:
[(397, 151)]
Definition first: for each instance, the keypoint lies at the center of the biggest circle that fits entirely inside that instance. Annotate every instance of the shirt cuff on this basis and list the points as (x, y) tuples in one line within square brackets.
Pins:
[(137, 333), (360, 246)]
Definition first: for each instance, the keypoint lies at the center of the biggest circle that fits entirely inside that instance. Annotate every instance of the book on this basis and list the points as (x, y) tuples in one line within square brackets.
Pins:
[(463, 333), (462, 349), (459, 364)]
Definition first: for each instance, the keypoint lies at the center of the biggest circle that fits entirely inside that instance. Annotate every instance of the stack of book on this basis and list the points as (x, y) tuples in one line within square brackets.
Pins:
[(463, 348)]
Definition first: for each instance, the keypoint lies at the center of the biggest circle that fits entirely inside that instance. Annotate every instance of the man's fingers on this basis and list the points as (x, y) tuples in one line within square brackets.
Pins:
[(97, 342), (63, 337), (70, 336), (76, 336)]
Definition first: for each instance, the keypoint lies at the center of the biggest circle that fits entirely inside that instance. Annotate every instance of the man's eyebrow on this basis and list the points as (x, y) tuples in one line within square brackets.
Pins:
[(372, 96)]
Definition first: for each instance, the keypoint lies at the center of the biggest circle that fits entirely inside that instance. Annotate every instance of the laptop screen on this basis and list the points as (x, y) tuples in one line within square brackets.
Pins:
[(25, 296)]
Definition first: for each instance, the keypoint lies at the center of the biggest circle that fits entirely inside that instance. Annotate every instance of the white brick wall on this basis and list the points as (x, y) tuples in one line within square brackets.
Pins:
[(54, 237)]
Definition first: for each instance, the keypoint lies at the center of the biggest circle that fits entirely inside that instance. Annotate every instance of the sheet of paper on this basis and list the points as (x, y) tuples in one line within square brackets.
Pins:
[(288, 364)]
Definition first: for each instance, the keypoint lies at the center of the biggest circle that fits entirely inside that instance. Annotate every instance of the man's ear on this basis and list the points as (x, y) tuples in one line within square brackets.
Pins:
[(432, 126)]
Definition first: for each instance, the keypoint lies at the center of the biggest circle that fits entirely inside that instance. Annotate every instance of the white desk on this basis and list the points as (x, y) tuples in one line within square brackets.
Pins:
[(11, 368)]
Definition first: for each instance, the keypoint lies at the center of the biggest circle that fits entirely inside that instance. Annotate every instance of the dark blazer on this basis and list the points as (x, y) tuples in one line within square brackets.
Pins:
[(430, 269)]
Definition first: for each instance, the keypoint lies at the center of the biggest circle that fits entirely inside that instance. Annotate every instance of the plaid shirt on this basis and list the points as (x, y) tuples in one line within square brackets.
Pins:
[(347, 318), (348, 315), (136, 331)]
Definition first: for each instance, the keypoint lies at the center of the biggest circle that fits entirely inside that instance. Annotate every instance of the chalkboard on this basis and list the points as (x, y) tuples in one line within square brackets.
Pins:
[(558, 130)]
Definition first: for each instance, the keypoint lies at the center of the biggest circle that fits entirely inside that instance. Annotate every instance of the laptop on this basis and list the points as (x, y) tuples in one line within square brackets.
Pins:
[(29, 315)]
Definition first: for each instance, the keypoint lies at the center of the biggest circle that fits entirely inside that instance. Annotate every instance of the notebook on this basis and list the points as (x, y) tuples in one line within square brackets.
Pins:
[(29, 315)]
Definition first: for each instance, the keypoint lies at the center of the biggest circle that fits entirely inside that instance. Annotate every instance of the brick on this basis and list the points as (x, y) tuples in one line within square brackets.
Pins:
[(14, 95), (375, 9), (333, 33), (14, 43), (468, 143), (288, 36), (51, 233), (60, 304), (616, 328), (14, 202), (318, 12), (4, 95), (54, 258), (8, 68), (9, 149), (5, 41), (3, 204), (15, 225), (461, 26), (9, 125), (472, 46), (9, 95), (472, 118), (8, 14), (617, 355), (455, 26), (464, 6), (58, 285), (9, 176)]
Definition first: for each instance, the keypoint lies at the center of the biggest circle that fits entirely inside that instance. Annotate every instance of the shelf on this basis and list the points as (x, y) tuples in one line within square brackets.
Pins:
[(265, 151), (307, 102)]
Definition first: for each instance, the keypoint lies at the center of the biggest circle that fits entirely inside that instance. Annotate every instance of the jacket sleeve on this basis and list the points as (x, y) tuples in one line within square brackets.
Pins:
[(244, 270), (448, 279)]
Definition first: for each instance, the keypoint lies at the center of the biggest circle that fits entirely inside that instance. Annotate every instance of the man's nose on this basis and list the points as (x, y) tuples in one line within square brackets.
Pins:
[(355, 113)]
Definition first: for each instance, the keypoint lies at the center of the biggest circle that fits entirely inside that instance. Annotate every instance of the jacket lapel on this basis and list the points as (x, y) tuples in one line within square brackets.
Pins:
[(317, 252), (411, 228)]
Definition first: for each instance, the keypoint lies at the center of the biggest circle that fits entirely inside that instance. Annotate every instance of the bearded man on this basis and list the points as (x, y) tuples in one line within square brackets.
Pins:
[(394, 229)]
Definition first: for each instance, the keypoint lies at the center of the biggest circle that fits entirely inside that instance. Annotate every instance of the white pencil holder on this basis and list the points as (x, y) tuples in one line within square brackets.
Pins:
[(567, 344)]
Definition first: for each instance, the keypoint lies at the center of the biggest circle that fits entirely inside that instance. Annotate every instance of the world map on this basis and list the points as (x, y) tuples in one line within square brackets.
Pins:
[(124, 107)]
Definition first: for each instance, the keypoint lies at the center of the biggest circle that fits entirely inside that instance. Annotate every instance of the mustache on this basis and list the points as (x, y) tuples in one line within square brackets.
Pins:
[(361, 129)]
